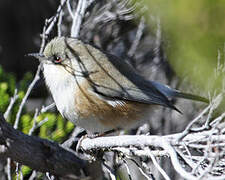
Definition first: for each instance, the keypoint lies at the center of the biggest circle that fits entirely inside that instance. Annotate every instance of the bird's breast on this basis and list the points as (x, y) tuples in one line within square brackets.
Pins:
[(62, 87)]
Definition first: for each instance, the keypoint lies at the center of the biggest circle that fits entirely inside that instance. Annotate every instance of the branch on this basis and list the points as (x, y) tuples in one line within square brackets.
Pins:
[(170, 145), (36, 78), (78, 17), (12, 102), (137, 141), (54, 19), (39, 154), (139, 33)]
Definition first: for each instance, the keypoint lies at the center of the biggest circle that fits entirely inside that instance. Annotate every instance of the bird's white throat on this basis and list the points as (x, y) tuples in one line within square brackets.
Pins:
[(62, 87)]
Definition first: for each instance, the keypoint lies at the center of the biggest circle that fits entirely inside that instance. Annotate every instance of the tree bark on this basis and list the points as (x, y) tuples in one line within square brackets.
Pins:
[(39, 154)]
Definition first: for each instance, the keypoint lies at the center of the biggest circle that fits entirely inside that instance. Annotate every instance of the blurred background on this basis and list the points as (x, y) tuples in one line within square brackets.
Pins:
[(194, 36), (21, 26), (179, 43)]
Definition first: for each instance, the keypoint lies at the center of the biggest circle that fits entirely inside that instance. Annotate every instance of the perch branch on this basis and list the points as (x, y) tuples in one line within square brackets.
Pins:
[(37, 153)]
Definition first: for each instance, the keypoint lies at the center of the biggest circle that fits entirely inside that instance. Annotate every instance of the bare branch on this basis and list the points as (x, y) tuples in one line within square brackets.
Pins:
[(54, 19), (9, 168), (127, 168), (39, 154), (45, 109), (78, 17), (59, 24), (12, 102), (110, 171), (34, 123), (69, 9), (157, 165), (215, 103), (33, 175), (36, 78), (139, 33), (141, 170)]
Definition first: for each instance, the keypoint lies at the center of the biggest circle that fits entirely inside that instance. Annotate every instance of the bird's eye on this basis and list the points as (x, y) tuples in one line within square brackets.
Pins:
[(57, 59)]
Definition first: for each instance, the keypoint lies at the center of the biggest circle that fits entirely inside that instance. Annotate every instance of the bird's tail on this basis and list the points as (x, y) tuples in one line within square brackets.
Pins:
[(179, 94), (172, 93)]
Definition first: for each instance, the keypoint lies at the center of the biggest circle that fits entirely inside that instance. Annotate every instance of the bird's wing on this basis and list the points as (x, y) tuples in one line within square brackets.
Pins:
[(127, 85), (146, 95), (122, 83)]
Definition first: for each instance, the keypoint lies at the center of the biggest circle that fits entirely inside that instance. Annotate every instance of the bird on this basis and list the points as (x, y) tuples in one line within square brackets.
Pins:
[(97, 90)]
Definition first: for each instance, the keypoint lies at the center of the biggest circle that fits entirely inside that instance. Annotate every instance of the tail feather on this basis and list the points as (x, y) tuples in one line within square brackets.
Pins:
[(172, 93), (190, 96)]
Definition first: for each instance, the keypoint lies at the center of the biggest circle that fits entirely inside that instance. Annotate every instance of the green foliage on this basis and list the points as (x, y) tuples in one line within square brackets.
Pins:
[(26, 123), (7, 88), (4, 96), (26, 170), (55, 127), (193, 32)]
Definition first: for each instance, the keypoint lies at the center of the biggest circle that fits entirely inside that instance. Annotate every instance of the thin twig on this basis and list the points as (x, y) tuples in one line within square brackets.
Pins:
[(69, 9), (12, 102), (78, 17), (45, 109), (178, 167), (157, 164), (33, 175), (140, 169), (36, 78), (17, 171), (187, 129), (34, 123), (137, 39), (127, 168), (49, 177), (9, 168), (21, 173), (59, 24), (54, 19), (157, 41), (110, 171)]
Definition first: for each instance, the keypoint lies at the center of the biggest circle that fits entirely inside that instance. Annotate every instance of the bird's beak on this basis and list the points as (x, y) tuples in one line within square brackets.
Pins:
[(38, 56)]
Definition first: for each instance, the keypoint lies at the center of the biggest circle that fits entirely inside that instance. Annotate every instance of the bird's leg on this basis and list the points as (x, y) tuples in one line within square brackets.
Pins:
[(107, 132)]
